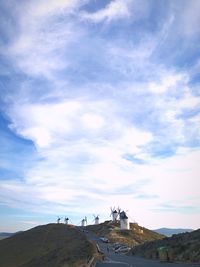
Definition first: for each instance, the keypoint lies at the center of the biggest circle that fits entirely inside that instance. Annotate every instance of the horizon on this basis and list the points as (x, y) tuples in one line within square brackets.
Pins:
[(99, 107)]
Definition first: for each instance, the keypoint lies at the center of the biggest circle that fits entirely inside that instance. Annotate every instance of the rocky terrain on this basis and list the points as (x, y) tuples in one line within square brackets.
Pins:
[(52, 245), (183, 247)]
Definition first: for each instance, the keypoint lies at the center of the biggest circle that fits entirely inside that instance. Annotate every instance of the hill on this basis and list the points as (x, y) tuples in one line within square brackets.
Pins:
[(181, 248), (52, 245), (171, 231), (135, 236), (5, 235)]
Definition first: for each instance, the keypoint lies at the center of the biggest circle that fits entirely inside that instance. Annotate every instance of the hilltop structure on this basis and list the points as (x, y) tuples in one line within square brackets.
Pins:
[(84, 222), (66, 220), (96, 219), (124, 221), (114, 214)]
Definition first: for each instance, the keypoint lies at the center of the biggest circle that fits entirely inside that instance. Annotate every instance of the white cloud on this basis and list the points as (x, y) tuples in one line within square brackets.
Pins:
[(83, 125), (92, 121), (43, 39), (42, 123), (51, 7), (114, 10), (188, 101), (169, 81), (105, 181), (132, 139)]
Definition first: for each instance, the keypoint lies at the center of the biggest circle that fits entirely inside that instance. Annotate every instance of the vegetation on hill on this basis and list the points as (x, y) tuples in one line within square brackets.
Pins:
[(136, 235), (181, 247), (52, 245)]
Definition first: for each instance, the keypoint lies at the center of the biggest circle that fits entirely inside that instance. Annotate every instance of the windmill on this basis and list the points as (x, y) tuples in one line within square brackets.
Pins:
[(58, 220), (84, 221), (114, 214), (96, 219), (66, 220), (124, 221)]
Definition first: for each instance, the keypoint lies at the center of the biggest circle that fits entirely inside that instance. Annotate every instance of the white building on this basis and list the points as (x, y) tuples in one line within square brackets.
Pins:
[(124, 221), (114, 214), (66, 220), (84, 222), (96, 219)]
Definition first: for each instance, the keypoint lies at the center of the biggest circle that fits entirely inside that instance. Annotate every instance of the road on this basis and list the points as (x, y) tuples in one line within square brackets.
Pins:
[(132, 261), (121, 260)]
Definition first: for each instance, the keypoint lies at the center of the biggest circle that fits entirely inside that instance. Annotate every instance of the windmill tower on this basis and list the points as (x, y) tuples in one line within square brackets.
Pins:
[(66, 220), (124, 221), (84, 222), (58, 220), (114, 214), (96, 219)]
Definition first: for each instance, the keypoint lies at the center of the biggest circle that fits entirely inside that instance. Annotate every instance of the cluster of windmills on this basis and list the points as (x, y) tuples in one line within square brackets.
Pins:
[(121, 216), (66, 220), (117, 215)]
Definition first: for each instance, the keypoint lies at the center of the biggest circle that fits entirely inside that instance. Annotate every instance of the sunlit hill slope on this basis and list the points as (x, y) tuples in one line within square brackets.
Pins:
[(135, 236)]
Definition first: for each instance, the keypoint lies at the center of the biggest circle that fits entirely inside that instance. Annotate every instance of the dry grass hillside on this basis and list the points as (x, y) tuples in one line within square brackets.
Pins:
[(135, 236), (181, 248), (52, 245)]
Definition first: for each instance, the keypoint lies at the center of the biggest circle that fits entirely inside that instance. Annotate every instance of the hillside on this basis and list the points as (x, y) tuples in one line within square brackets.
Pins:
[(171, 231), (181, 248), (52, 245), (135, 236), (5, 235)]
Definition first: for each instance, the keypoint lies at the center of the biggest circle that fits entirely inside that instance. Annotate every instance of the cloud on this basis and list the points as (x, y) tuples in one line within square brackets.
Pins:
[(116, 9), (169, 81), (43, 39), (144, 197), (49, 8), (189, 19), (103, 107)]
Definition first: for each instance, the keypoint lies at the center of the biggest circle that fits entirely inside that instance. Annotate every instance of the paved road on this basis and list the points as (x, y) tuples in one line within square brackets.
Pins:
[(133, 261), (121, 260)]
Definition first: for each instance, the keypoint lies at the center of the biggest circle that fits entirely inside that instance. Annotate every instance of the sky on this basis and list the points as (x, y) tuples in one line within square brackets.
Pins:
[(99, 108)]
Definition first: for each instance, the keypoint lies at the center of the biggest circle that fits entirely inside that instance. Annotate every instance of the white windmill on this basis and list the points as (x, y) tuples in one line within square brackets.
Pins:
[(124, 221), (84, 222), (96, 219), (66, 220), (114, 214)]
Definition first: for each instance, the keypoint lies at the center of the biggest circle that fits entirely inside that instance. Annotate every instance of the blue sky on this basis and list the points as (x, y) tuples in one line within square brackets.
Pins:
[(99, 107)]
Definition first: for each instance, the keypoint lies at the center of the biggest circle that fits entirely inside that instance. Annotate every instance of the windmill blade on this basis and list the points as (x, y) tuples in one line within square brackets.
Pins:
[(119, 210), (112, 210)]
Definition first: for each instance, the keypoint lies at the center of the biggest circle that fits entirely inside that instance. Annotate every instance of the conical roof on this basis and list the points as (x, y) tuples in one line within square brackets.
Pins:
[(123, 215)]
